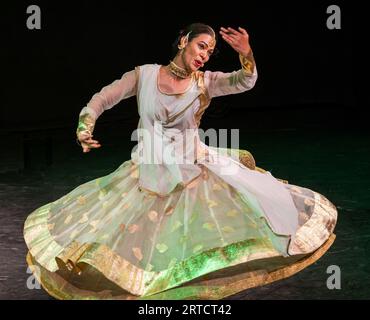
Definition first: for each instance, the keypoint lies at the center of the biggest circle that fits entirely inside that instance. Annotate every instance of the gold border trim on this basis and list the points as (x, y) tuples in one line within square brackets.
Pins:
[(211, 289)]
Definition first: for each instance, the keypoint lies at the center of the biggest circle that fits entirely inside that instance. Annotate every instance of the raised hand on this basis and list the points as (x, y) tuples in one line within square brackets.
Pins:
[(238, 40)]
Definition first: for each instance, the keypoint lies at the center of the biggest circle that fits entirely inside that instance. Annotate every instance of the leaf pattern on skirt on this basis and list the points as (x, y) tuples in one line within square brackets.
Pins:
[(232, 213), (228, 229), (153, 216), (126, 206), (247, 210), (51, 226), (132, 228), (211, 203), (73, 234), (102, 194), (137, 253), (183, 238), (216, 187), (209, 226), (161, 247), (94, 224), (81, 200), (68, 219), (176, 225), (149, 267), (84, 218), (224, 185), (252, 225)]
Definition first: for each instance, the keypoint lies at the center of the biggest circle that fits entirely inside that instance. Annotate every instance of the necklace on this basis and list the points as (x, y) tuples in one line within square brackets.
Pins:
[(179, 72)]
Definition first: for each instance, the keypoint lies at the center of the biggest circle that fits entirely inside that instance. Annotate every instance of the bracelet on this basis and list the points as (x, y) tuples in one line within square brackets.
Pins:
[(85, 126), (247, 63)]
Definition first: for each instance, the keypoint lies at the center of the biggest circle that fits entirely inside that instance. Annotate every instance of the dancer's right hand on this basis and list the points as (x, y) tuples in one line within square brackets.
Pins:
[(87, 143)]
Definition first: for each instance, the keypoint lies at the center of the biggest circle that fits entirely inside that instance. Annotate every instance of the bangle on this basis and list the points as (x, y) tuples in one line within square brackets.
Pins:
[(85, 127), (247, 63)]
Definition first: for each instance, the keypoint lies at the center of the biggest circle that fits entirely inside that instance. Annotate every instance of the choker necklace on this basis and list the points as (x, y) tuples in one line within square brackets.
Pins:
[(179, 72)]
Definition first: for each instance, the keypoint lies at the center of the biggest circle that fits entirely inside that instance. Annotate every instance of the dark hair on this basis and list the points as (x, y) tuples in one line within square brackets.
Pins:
[(195, 30)]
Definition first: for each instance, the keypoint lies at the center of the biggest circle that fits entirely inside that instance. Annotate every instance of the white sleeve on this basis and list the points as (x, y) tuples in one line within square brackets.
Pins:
[(112, 94), (220, 83)]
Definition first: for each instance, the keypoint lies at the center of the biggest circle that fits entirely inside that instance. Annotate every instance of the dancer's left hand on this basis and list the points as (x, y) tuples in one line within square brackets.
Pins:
[(238, 40)]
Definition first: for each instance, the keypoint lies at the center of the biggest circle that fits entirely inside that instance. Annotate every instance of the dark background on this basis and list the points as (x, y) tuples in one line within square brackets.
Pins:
[(50, 74), (305, 120)]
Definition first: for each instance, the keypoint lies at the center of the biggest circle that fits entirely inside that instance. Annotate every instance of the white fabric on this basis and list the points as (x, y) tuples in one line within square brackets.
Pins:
[(172, 116)]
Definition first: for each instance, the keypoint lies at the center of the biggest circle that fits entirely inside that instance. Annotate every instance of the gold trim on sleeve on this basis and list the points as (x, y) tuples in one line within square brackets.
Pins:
[(248, 63), (85, 128)]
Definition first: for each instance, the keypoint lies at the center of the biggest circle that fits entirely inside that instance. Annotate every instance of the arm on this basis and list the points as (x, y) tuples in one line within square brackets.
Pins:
[(220, 84), (109, 96)]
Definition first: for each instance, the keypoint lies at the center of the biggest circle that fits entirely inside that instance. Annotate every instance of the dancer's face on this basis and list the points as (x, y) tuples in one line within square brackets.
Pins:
[(197, 52)]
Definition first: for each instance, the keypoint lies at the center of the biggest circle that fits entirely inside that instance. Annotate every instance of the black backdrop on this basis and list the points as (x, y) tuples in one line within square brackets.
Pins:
[(48, 75)]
